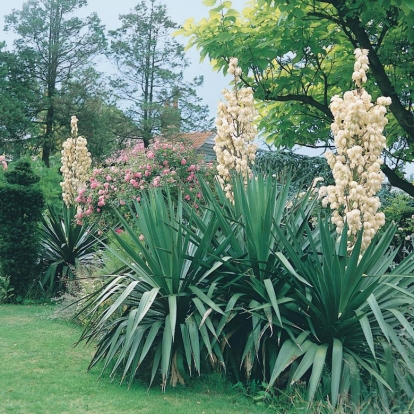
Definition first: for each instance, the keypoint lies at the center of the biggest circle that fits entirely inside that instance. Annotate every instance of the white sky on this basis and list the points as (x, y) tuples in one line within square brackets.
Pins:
[(178, 11)]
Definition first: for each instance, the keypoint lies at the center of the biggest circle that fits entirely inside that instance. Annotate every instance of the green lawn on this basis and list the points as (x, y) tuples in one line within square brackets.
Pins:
[(41, 372)]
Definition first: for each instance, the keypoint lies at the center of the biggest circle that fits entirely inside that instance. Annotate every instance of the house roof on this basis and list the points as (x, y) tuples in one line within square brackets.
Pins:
[(198, 138)]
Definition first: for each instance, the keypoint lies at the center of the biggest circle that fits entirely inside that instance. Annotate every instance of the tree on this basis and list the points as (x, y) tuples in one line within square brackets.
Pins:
[(56, 44), (100, 120), (296, 53), (151, 65), (18, 99)]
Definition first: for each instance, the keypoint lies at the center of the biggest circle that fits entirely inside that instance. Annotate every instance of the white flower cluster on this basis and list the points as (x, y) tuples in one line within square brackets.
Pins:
[(76, 161), (356, 167), (235, 131)]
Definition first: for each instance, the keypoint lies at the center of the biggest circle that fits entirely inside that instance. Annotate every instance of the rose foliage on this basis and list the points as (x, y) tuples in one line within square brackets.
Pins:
[(134, 169)]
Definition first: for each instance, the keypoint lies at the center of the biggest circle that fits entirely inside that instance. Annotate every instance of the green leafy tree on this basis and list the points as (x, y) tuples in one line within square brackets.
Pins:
[(106, 127), (21, 204), (151, 64), (18, 100), (56, 44), (295, 53)]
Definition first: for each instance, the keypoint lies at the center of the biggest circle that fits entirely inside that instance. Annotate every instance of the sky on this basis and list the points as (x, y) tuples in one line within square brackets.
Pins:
[(178, 11)]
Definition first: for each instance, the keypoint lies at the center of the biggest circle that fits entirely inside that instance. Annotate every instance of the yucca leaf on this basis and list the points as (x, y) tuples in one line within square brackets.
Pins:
[(336, 371), (289, 351), (204, 316), (156, 361), (134, 354), (366, 329), (319, 361), (355, 378), (289, 267), (389, 364), (402, 351), (166, 350), (369, 369), (194, 340), (273, 300), (404, 322), (202, 296), (172, 305), (372, 302), (149, 341), (186, 345), (306, 362)]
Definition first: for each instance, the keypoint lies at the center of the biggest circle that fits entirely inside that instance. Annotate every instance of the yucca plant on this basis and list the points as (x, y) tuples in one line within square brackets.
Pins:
[(253, 273), (350, 316), (65, 244), (164, 310)]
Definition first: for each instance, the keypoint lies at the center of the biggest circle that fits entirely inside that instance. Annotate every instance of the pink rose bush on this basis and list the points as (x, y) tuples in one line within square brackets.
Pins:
[(135, 169)]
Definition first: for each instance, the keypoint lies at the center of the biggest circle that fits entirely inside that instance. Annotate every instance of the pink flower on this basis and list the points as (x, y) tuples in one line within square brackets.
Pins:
[(3, 161), (187, 197), (118, 231), (141, 237), (183, 161), (150, 155), (192, 167), (122, 202)]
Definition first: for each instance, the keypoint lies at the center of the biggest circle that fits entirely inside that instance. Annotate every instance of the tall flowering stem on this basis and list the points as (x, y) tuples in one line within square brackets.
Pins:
[(236, 131), (356, 167), (76, 161)]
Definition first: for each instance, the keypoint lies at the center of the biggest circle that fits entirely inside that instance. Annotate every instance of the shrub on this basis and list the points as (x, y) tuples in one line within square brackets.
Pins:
[(21, 204), (50, 179), (6, 290), (131, 171)]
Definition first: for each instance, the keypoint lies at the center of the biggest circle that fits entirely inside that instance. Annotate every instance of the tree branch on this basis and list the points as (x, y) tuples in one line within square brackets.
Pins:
[(306, 99), (396, 181)]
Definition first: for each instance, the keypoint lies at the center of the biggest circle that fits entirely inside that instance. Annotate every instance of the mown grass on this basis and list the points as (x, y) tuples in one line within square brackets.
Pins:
[(42, 372)]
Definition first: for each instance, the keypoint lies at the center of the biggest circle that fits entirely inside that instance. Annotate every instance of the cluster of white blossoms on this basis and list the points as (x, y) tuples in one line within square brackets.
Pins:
[(236, 131), (76, 161), (356, 167)]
